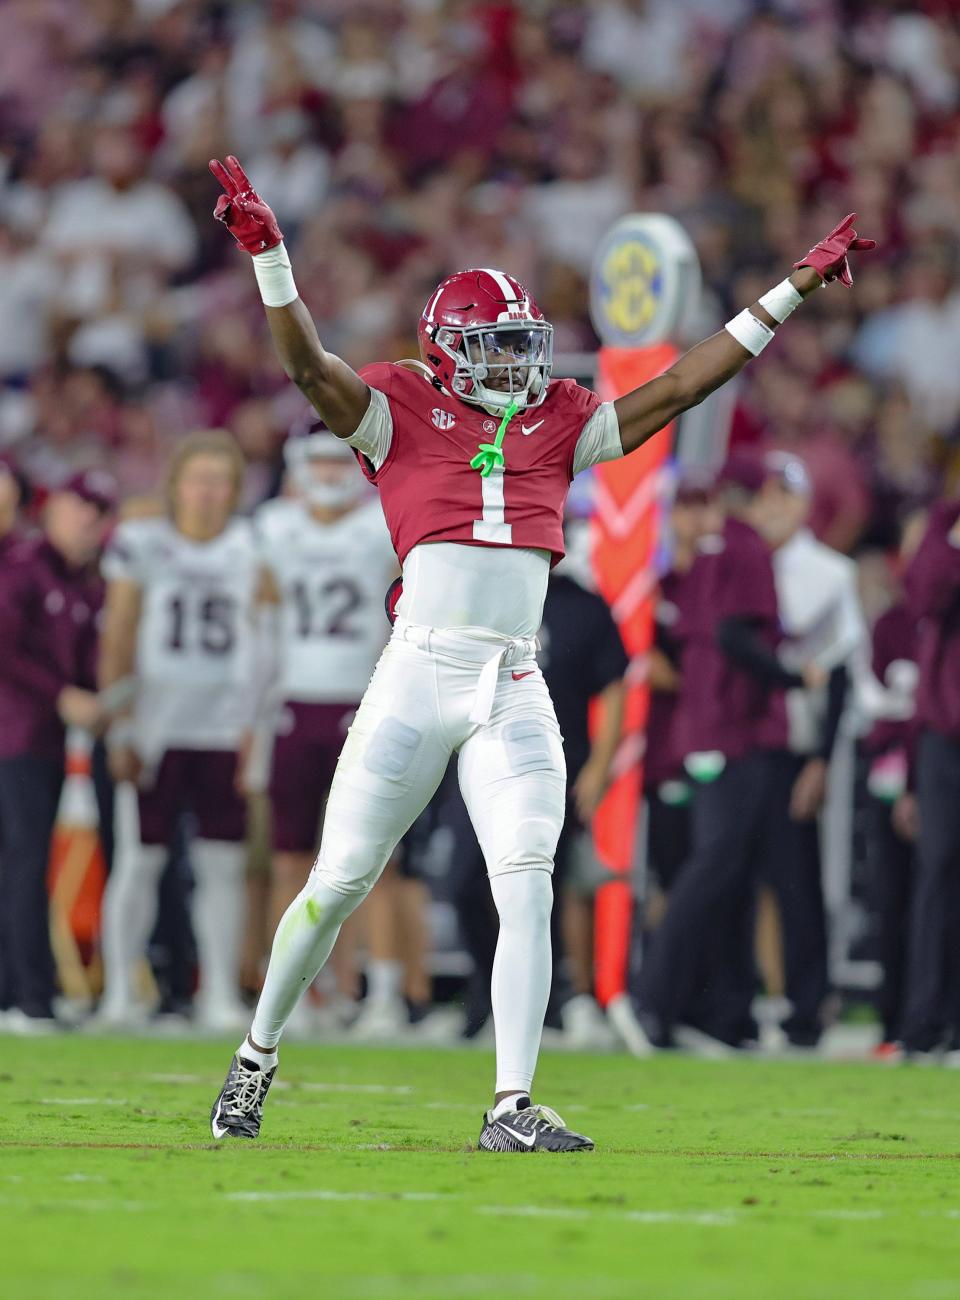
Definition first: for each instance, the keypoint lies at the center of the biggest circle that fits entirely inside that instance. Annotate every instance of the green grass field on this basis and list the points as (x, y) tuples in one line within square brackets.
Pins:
[(741, 1179)]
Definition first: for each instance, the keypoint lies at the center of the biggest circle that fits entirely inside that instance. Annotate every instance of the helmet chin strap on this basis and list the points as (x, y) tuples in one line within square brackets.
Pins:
[(489, 454)]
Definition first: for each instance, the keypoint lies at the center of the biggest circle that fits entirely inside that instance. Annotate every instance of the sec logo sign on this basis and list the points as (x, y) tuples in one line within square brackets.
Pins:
[(441, 419), (645, 276)]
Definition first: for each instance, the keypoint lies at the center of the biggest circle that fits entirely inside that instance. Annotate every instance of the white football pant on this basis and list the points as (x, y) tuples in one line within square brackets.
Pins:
[(434, 693)]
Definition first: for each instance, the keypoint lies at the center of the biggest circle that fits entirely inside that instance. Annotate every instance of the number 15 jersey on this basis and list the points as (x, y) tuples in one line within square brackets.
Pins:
[(195, 644)]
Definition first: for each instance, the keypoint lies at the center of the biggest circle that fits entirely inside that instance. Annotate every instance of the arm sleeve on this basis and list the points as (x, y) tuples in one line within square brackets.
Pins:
[(374, 433), (932, 580), (599, 439), (740, 640), (16, 666)]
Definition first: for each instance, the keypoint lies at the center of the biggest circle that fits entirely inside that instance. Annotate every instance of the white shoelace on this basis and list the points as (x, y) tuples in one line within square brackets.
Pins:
[(546, 1113), (248, 1092)]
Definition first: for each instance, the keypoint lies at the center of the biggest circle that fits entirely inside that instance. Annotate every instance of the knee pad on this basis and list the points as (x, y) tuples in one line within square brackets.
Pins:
[(524, 898), (347, 870), (528, 845)]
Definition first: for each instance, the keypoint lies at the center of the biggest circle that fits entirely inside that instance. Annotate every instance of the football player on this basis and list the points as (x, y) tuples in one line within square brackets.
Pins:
[(473, 449), (179, 630), (328, 559)]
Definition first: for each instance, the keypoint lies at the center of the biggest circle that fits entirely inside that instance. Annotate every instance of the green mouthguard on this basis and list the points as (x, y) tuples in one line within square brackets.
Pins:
[(489, 454)]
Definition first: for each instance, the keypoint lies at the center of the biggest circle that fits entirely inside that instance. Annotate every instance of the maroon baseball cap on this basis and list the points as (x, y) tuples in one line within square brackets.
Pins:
[(743, 469), (95, 486), (694, 485)]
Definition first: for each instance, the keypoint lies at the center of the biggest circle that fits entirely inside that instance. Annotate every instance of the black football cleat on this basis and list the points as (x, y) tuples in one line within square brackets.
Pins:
[(530, 1128), (238, 1111)]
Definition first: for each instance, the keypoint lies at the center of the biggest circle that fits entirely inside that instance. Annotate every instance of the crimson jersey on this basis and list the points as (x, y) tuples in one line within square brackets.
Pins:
[(430, 493)]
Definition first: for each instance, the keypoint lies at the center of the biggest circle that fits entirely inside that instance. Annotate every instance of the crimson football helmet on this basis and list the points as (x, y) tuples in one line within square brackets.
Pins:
[(485, 341), (309, 449)]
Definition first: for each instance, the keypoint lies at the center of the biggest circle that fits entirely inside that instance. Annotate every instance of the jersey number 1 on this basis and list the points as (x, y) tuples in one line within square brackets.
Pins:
[(491, 526)]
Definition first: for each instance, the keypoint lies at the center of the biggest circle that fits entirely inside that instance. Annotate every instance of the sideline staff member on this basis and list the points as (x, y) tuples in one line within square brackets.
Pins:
[(732, 728), (932, 584), (50, 595)]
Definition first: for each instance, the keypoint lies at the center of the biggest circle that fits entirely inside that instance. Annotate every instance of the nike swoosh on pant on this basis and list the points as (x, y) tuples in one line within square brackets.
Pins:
[(518, 677)]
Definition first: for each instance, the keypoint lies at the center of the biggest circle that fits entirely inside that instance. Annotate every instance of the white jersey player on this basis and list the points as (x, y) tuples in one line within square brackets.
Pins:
[(179, 630), (328, 561), (472, 449)]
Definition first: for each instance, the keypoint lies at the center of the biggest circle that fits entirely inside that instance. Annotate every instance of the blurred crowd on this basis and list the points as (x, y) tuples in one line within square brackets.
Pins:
[(399, 140)]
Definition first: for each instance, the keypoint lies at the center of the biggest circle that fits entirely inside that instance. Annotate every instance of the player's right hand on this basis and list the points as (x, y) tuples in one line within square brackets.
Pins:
[(242, 210)]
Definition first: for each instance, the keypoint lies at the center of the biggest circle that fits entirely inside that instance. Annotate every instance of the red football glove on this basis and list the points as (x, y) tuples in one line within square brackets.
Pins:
[(829, 257), (242, 210)]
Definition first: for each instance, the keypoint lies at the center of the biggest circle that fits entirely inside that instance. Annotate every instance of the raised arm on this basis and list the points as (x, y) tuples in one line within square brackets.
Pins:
[(711, 363), (336, 391)]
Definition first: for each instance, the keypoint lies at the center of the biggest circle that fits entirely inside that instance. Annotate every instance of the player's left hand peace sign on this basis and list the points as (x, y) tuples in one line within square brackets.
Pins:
[(242, 210)]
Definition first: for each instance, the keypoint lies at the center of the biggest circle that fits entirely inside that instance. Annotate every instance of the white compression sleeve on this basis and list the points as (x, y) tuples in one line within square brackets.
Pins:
[(374, 433), (303, 942), (522, 969), (599, 439)]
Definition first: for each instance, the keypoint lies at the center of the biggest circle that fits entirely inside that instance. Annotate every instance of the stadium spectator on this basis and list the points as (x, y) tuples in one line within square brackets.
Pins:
[(330, 631), (893, 826), (666, 786), (822, 624), (732, 731), (50, 597), (932, 999), (178, 641)]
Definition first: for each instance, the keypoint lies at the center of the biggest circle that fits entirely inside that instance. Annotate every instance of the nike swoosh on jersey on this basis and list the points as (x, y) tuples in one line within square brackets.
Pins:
[(532, 428), (518, 677)]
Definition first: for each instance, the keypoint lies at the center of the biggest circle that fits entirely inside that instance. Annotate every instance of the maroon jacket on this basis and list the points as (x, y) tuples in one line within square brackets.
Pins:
[(932, 585), (722, 705), (662, 761), (48, 640), (894, 640)]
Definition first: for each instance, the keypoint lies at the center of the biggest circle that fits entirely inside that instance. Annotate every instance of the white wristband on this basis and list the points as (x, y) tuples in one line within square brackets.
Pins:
[(749, 331), (781, 300), (274, 277)]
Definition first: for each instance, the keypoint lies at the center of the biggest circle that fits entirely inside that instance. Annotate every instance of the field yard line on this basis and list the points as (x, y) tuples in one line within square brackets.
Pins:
[(399, 1090), (85, 1101), (332, 1148), (402, 1090), (179, 1078), (701, 1218), (325, 1194)]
